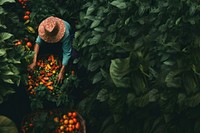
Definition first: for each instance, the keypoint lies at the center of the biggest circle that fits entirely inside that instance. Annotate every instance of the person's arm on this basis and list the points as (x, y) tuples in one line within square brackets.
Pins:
[(36, 50), (66, 56)]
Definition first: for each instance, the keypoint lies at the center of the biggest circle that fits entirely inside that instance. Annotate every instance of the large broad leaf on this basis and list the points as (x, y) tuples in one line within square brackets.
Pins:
[(5, 36), (119, 70), (7, 125), (5, 1)]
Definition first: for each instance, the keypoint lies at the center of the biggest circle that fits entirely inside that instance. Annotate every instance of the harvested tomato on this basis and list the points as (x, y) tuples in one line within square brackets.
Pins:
[(74, 114), (77, 126), (71, 121), (69, 114)]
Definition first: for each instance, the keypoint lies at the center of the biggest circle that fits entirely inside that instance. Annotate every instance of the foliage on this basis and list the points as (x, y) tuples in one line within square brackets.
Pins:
[(6, 124), (138, 61), (13, 60), (161, 39)]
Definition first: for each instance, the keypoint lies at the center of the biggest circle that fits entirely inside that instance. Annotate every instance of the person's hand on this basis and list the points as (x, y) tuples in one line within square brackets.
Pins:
[(60, 78), (32, 66)]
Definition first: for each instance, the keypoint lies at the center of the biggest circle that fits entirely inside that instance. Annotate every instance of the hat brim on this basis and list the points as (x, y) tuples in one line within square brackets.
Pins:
[(58, 36)]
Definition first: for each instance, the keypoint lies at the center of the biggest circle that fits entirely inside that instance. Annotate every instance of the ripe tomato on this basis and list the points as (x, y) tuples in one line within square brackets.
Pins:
[(65, 122), (26, 17), (18, 43), (29, 44), (69, 114), (71, 121), (27, 13), (77, 126), (75, 120), (70, 129), (74, 114), (64, 116), (62, 127)]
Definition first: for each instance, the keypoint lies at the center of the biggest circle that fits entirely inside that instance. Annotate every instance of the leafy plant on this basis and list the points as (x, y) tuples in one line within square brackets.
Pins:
[(161, 43), (6, 124), (13, 60)]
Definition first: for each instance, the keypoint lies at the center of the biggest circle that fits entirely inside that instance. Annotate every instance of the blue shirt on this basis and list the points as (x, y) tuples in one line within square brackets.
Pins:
[(66, 44)]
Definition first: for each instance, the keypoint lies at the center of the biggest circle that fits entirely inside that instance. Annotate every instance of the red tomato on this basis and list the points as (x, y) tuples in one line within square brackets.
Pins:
[(29, 44), (27, 13), (26, 17)]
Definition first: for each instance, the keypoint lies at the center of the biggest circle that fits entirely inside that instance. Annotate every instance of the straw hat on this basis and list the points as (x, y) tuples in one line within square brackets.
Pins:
[(52, 29)]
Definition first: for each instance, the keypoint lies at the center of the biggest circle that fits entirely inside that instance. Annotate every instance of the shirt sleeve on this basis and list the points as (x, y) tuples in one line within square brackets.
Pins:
[(66, 50), (38, 40)]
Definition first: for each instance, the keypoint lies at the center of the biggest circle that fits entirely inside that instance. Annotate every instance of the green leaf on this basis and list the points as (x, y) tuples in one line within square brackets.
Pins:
[(10, 81), (95, 23), (193, 101), (102, 95), (6, 91), (2, 11), (97, 78), (2, 52), (95, 39), (5, 36), (172, 79), (99, 29), (119, 69), (6, 125), (119, 4), (90, 10), (2, 26), (6, 1), (189, 84), (8, 73)]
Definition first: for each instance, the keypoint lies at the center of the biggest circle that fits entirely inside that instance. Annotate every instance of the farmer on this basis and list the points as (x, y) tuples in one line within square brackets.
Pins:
[(53, 38)]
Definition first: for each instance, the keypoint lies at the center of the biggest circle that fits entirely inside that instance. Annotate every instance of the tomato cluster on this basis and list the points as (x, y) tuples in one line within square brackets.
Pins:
[(67, 123), (55, 121)]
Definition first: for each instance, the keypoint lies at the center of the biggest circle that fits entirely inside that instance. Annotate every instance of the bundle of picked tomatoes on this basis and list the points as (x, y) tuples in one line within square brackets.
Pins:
[(67, 122), (54, 122)]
